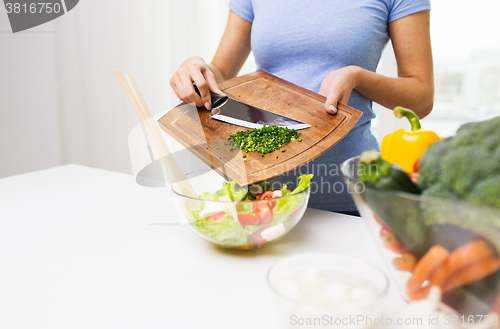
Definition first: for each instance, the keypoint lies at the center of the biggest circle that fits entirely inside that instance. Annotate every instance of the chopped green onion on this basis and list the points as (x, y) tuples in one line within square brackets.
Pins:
[(263, 140)]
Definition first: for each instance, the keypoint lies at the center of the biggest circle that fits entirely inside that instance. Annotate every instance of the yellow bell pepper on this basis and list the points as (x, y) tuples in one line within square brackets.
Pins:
[(405, 147)]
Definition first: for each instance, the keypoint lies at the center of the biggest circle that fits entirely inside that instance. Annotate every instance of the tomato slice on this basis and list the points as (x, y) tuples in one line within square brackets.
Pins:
[(264, 210), (218, 216), (249, 219), (261, 214), (268, 195)]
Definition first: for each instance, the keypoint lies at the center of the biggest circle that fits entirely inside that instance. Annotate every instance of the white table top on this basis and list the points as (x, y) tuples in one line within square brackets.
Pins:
[(79, 249)]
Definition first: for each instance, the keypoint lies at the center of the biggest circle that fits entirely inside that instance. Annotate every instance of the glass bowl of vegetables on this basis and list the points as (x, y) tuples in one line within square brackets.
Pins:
[(243, 218), (426, 239)]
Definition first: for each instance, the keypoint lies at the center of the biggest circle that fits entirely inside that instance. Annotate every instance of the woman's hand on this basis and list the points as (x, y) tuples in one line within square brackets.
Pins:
[(337, 87), (194, 69), (232, 53)]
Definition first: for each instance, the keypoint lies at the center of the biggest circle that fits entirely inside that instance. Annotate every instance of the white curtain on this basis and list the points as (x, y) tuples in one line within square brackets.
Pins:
[(147, 38)]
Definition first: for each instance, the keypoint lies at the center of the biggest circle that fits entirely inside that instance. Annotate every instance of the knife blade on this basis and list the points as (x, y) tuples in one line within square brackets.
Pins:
[(244, 115)]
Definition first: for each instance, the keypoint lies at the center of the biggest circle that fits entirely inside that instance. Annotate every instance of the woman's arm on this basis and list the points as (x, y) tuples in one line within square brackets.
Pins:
[(232, 53), (234, 48), (414, 86)]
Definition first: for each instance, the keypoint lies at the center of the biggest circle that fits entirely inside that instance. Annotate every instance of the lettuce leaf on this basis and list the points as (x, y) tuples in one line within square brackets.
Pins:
[(226, 231), (208, 196), (229, 189), (284, 191), (289, 202), (304, 183)]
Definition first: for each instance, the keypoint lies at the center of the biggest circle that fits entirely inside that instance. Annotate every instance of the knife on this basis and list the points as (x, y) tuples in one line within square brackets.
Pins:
[(244, 115)]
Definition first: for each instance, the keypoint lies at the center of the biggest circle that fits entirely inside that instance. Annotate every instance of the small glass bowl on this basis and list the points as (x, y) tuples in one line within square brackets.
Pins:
[(320, 290)]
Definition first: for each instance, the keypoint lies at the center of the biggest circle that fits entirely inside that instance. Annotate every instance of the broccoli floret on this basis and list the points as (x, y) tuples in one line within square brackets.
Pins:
[(467, 134), (371, 167), (465, 166), (430, 169), (479, 134), (440, 191), (486, 192)]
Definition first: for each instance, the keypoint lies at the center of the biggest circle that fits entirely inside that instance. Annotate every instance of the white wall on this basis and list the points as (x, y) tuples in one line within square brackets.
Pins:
[(29, 122)]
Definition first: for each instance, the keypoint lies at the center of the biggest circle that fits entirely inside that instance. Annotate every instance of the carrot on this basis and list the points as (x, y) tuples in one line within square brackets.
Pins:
[(406, 262), (471, 253), (424, 269), (462, 257), (496, 305), (462, 263), (472, 273), (391, 242)]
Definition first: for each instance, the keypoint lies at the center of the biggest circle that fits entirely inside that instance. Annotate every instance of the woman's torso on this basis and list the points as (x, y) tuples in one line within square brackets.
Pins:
[(303, 41)]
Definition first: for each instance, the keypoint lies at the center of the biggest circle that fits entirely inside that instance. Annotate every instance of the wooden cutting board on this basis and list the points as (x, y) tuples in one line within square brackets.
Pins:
[(206, 137)]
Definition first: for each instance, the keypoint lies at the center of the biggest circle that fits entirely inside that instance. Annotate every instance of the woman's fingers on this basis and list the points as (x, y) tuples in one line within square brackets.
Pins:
[(195, 70), (179, 90), (190, 95), (332, 99), (175, 84), (202, 85), (212, 83), (329, 89), (337, 87)]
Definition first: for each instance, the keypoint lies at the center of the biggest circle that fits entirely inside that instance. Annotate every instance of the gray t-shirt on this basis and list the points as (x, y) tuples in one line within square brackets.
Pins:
[(303, 41)]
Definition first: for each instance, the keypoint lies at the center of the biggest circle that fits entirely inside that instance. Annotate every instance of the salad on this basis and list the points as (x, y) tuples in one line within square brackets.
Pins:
[(250, 217)]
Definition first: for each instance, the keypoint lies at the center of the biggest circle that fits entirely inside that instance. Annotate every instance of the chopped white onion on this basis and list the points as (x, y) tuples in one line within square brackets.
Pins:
[(336, 292), (362, 293)]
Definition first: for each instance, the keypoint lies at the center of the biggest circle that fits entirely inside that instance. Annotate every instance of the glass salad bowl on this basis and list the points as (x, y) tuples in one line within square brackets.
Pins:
[(428, 241), (242, 218)]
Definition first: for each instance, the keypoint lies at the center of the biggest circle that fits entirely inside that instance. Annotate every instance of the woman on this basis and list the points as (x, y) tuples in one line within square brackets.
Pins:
[(331, 47)]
